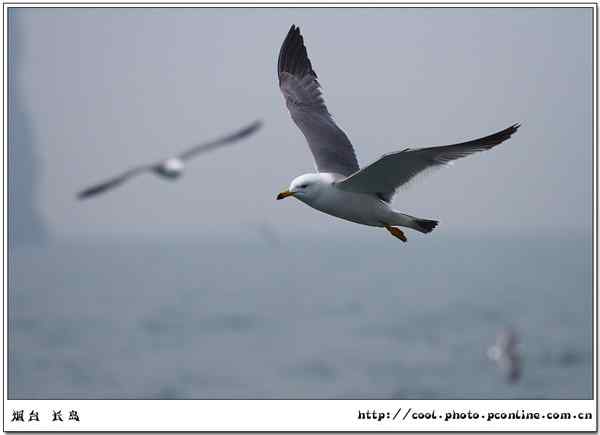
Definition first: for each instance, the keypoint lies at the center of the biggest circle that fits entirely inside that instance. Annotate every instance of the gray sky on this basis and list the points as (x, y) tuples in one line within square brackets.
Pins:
[(104, 89)]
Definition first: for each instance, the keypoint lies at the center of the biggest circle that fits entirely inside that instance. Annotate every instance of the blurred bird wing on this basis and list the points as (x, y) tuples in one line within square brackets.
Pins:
[(112, 182), (220, 142), (393, 170), (331, 148)]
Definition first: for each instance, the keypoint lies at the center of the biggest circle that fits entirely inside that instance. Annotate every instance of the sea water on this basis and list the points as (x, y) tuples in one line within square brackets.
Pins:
[(299, 319)]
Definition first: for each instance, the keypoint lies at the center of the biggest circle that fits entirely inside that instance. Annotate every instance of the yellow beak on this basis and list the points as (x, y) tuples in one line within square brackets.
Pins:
[(285, 194)]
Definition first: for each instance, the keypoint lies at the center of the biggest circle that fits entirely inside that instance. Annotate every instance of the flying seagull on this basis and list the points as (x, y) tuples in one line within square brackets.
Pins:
[(340, 187), (171, 167), (505, 353)]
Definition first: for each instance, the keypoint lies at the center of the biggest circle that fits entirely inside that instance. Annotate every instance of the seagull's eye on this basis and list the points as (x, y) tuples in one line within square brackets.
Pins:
[(303, 186)]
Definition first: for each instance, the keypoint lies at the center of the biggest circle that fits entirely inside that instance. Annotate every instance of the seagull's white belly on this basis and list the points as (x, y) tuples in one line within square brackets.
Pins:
[(355, 207)]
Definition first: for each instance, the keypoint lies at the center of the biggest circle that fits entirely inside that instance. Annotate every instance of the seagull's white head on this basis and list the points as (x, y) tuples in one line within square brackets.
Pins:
[(307, 187)]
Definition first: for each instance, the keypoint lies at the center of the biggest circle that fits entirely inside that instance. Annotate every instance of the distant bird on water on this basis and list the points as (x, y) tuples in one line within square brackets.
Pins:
[(340, 187), (171, 167)]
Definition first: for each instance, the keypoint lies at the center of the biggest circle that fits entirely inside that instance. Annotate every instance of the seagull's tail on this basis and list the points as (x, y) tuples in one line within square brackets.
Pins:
[(424, 225), (421, 225)]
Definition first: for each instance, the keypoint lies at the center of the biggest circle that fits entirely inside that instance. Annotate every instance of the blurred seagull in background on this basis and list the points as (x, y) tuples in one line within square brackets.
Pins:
[(172, 167), (340, 187), (506, 355)]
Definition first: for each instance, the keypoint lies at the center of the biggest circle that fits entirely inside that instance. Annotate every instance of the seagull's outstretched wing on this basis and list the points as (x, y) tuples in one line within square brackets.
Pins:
[(391, 171), (329, 145), (111, 183), (225, 140)]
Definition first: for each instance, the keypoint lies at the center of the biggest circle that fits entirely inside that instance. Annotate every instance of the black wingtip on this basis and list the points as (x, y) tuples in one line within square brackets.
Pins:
[(511, 130), (251, 128), (293, 57), (294, 30), (499, 137), (100, 188), (84, 194)]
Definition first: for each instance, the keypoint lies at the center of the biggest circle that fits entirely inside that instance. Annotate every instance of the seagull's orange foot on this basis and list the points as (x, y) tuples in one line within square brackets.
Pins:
[(396, 232)]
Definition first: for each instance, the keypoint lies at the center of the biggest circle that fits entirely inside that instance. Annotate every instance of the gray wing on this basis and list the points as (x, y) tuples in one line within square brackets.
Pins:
[(329, 145), (111, 183), (225, 140), (391, 171)]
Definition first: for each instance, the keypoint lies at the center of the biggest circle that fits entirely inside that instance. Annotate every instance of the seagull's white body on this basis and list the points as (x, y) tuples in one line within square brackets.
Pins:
[(361, 208), (341, 188), (170, 168)]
